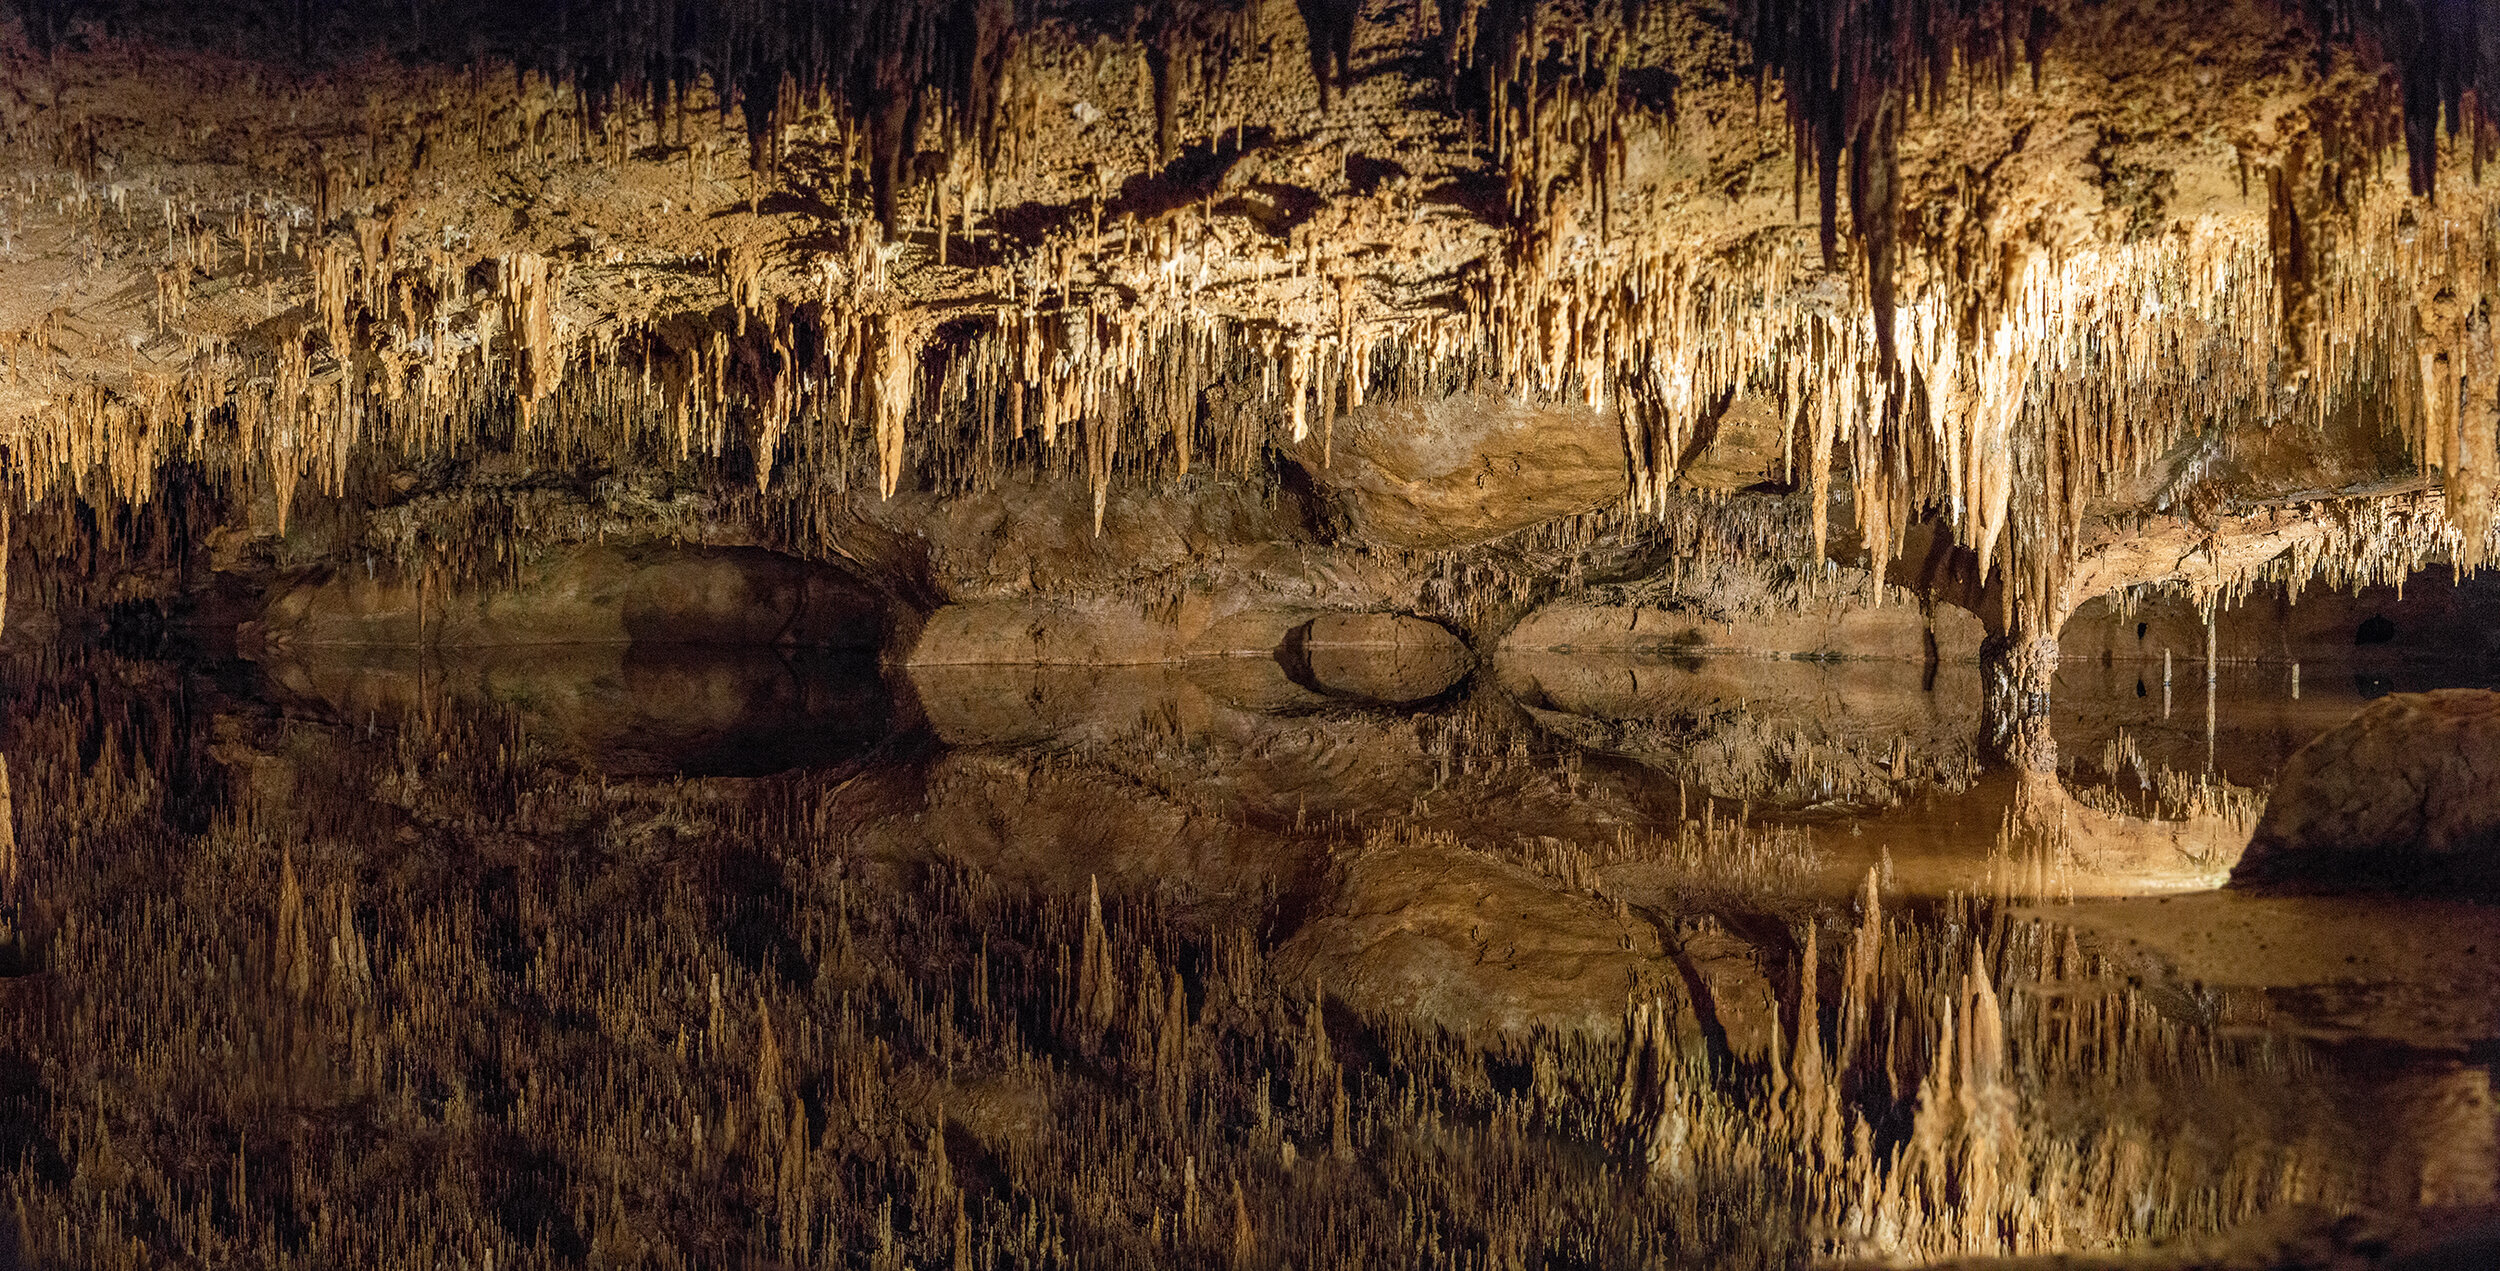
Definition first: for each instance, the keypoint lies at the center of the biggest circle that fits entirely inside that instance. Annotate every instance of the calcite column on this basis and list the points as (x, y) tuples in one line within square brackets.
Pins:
[(2015, 672)]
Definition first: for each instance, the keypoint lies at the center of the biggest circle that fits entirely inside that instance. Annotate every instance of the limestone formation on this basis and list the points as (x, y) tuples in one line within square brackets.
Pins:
[(1378, 657), (1427, 928), (2400, 798), (1463, 470), (2077, 297), (1170, 633)]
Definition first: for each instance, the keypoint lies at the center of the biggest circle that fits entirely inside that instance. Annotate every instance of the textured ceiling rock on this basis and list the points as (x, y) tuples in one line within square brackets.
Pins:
[(1454, 471), (2027, 276)]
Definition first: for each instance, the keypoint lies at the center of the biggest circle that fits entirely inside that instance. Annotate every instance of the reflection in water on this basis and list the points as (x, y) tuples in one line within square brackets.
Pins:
[(628, 710), (637, 958)]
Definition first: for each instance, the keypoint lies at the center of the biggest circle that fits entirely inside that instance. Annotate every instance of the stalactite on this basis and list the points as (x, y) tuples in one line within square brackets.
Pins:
[(2000, 398)]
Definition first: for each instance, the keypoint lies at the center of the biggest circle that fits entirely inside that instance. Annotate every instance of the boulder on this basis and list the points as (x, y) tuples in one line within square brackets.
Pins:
[(1459, 470), (1378, 657), (1424, 927), (2403, 797), (1031, 632)]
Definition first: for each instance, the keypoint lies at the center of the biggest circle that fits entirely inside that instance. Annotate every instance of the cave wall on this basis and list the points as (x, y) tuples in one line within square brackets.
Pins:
[(1123, 307)]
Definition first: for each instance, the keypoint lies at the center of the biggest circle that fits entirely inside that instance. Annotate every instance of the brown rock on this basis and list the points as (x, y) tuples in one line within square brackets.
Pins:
[(622, 709), (1745, 447), (1735, 994), (1460, 470), (1380, 657), (1423, 926), (589, 595), (1047, 633), (2403, 797)]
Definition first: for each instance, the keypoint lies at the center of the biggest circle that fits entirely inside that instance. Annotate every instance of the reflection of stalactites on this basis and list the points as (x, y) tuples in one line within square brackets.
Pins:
[(1806, 1063), (4, 570), (771, 1081), (1097, 986), (291, 952), (351, 962), (8, 836), (1857, 988), (1991, 1147)]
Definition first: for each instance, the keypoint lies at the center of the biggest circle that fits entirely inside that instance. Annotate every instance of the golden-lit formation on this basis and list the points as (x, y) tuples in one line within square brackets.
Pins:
[(423, 263), (1476, 634)]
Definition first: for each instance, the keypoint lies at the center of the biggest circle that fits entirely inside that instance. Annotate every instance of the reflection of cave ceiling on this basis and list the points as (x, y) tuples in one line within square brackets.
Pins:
[(2092, 287)]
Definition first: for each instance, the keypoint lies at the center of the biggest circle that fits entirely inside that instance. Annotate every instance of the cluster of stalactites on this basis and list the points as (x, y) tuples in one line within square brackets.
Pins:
[(2094, 365), (2085, 370), (2004, 405)]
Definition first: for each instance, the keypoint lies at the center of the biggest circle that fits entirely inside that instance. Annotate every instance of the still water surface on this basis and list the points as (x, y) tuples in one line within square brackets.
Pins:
[(679, 956)]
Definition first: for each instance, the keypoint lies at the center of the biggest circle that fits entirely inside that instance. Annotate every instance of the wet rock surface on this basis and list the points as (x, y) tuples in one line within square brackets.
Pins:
[(1841, 628), (1377, 657), (585, 594), (1777, 732), (1423, 927), (2400, 798)]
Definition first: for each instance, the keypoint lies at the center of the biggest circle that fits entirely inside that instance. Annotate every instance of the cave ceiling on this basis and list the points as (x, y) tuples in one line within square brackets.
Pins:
[(2103, 294)]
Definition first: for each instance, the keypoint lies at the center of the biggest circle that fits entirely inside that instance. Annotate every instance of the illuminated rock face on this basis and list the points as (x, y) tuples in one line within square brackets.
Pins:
[(2015, 304), (2397, 799), (1474, 945), (589, 596), (1460, 471)]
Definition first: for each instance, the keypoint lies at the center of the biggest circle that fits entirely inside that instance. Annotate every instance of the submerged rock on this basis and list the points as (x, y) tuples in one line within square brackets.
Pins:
[(2400, 798)]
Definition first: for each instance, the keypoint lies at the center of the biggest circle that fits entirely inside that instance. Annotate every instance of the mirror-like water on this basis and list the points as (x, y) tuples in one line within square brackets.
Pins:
[(611, 956)]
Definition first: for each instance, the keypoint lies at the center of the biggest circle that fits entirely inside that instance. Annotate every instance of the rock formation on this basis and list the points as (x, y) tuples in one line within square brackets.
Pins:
[(948, 632), (2018, 304), (2399, 798)]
